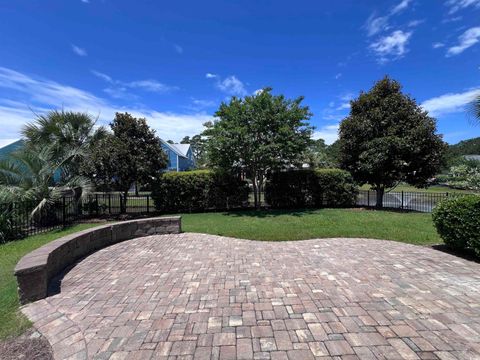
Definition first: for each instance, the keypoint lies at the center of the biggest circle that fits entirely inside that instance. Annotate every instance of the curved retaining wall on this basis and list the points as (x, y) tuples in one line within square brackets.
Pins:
[(36, 269)]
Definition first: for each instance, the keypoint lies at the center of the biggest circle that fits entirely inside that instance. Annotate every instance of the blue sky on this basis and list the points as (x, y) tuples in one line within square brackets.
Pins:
[(173, 62)]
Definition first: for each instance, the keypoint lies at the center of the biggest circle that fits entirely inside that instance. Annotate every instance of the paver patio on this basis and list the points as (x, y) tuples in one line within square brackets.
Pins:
[(193, 296)]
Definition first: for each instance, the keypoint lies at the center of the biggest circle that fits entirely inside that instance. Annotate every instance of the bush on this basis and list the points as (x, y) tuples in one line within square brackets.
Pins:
[(9, 230), (310, 188), (198, 190), (457, 220)]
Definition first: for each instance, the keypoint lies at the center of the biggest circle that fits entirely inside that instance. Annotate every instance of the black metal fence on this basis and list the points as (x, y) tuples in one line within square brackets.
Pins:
[(404, 200), (19, 219)]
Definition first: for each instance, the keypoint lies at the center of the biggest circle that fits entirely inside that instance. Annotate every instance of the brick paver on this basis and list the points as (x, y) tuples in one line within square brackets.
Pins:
[(192, 296)]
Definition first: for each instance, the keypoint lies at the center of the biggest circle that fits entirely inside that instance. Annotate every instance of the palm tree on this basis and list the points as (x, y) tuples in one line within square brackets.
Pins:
[(64, 131), (28, 176), (475, 108)]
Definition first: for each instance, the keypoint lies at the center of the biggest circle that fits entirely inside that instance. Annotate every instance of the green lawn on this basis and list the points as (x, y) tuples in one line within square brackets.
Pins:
[(12, 322), (414, 228)]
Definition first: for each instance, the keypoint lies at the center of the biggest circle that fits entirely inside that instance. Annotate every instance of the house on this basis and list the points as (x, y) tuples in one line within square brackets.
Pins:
[(180, 156), (8, 149)]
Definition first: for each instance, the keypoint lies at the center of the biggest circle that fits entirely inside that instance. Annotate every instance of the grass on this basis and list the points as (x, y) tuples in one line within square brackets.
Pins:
[(412, 228), (12, 322)]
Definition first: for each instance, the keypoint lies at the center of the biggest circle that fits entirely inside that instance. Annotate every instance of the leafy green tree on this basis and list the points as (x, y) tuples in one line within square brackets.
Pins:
[(388, 138), (316, 155), (132, 154), (64, 131), (257, 134), (197, 144), (465, 175), (333, 153)]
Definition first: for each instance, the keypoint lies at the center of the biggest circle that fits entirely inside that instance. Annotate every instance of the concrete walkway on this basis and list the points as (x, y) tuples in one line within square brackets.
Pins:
[(193, 296)]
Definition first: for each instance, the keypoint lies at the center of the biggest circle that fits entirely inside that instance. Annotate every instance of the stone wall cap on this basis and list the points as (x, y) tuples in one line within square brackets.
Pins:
[(31, 263)]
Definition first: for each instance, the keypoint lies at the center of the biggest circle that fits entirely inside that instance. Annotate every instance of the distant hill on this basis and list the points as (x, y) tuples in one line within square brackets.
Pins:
[(6, 150), (465, 147)]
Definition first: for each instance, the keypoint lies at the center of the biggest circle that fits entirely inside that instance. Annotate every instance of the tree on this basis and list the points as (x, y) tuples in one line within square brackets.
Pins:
[(132, 154), (388, 138), (28, 175), (316, 155), (197, 144), (475, 108), (64, 131), (257, 134)]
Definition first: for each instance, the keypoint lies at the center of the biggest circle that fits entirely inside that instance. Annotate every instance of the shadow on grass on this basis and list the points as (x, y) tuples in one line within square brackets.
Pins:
[(272, 213), (464, 254)]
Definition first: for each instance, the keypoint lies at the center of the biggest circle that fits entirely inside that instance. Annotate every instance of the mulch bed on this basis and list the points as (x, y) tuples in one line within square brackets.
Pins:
[(30, 345)]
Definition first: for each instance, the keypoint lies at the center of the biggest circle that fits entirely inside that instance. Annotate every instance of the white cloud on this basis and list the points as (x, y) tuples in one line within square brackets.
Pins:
[(231, 85), (149, 85), (78, 50), (178, 49), (450, 103), (200, 104), (438, 45), (374, 24), (102, 76), (120, 89), (40, 95), (415, 23), (401, 6), (377, 24), (329, 133), (85, 1), (456, 5), (258, 92), (466, 40), (210, 76), (391, 46), (338, 76)]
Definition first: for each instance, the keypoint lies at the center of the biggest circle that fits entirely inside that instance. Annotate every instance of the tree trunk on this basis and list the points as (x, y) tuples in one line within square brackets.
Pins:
[(255, 192), (123, 203), (136, 188), (380, 191)]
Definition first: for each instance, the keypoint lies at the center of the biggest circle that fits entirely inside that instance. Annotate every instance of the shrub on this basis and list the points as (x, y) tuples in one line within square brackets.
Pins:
[(457, 220), (9, 230), (198, 191), (310, 188)]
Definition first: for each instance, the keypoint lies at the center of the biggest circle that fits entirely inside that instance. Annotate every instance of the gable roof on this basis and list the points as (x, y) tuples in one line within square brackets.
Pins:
[(179, 149), (10, 148)]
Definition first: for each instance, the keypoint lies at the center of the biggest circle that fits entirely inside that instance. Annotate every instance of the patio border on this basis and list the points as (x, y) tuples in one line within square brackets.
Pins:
[(36, 269)]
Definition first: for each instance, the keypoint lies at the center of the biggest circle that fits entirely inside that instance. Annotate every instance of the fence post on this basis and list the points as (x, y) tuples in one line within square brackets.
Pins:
[(96, 201), (148, 203), (109, 204), (63, 210), (368, 198), (402, 199)]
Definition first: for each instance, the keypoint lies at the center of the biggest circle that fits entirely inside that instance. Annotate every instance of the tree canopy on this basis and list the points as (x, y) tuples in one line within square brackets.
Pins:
[(132, 154), (64, 131), (388, 138), (257, 134)]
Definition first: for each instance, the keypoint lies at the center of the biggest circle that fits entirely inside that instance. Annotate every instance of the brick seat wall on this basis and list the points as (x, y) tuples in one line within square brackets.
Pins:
[(36, 269)]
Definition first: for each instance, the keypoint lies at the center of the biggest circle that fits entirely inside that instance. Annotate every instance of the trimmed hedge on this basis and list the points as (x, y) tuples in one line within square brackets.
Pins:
[(310, 188), (457, 220), (198, 190)]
